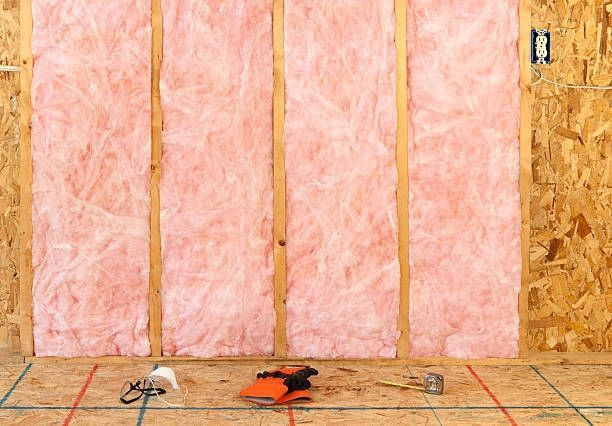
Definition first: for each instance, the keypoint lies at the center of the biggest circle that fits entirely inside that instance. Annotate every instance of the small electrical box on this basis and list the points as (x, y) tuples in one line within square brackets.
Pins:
[(540, 46)]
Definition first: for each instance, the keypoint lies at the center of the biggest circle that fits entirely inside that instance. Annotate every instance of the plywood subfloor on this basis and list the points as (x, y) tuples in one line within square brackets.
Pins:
[(88, 394)]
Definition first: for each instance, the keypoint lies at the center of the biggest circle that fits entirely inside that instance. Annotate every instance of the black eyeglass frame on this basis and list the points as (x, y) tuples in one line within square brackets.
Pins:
[(150, 391)]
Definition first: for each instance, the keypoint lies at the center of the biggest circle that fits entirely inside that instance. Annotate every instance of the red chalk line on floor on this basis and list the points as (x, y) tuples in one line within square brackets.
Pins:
[(492, 395), (80, 395), (290, 414)]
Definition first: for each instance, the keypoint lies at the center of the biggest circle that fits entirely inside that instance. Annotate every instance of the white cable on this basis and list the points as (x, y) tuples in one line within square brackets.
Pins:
[(169, 404), (9, 68), (541, 78)]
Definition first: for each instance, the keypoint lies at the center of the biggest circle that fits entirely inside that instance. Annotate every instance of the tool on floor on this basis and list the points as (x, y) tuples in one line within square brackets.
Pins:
[(280, 386), (151, 385), (433, 383)]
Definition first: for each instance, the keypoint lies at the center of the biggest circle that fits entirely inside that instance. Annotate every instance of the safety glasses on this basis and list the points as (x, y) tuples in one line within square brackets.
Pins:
[(131, 392)]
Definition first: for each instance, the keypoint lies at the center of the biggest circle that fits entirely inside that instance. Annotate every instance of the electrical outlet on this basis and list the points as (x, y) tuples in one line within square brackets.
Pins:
[(540, 46)]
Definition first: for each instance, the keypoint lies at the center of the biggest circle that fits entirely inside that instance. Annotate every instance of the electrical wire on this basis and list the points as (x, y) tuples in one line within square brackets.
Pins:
[(536, 71), (9, 68), (541, 78), (169, 404)]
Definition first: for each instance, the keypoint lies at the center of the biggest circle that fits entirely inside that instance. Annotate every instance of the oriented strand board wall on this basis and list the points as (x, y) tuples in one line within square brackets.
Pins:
[(570, 295), (9, 175)]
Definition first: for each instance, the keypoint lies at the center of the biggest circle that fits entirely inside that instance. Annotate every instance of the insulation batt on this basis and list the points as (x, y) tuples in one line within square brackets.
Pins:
[(342, 263), (464, 201), (216, 187), (91, 155)]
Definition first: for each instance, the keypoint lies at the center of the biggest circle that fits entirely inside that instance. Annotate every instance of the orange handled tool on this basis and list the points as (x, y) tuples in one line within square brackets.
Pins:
[(280, 386)]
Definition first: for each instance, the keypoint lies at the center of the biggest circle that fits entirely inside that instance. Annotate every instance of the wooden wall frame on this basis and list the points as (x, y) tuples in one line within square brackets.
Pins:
[(401, 48), (525, 178), (155, 271), (25, 179), (279, 233), (280, 206), (557, 358)]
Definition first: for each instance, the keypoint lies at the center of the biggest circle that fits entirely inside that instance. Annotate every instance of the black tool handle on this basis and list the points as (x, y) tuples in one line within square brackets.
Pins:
[(294, 381)]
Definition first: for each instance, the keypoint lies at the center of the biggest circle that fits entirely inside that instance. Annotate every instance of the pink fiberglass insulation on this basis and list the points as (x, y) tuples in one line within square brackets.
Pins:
[(91, 156), (463, 164), (342, 264), (216, 188)]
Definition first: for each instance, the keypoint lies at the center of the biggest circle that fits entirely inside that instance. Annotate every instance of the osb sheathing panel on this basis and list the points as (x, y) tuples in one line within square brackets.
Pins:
[(9, 174), (570, 292), (571, 244)]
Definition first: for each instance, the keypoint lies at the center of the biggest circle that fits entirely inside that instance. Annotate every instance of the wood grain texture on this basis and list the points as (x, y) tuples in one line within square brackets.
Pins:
[(603, 358), (25, 172), (525, 178), (402, 176), (570, 289), (280, 206), (9, 176), (155, 308), (342, 395)]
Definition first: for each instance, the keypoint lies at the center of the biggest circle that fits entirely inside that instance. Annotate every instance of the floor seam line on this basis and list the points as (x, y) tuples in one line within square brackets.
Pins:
[(561, 395), (425, 397), (8, 394)]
